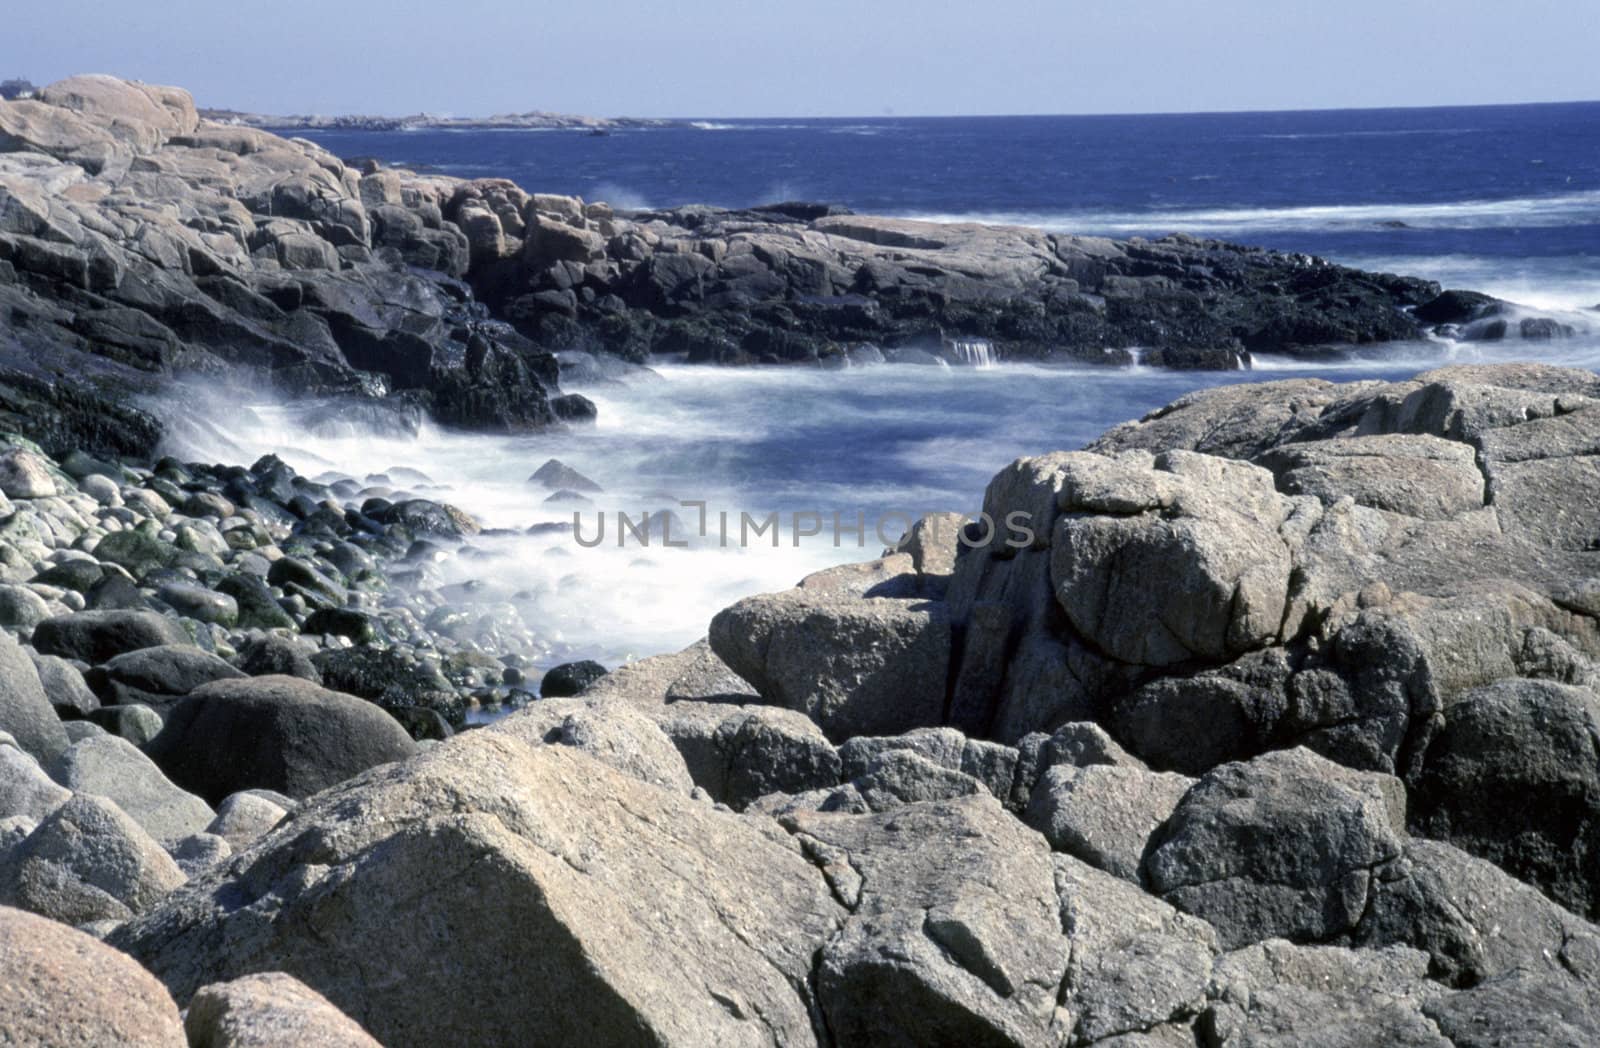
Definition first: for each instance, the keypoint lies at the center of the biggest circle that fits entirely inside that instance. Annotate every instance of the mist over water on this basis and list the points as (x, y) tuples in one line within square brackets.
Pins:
[(883, 443), (1500, 199)]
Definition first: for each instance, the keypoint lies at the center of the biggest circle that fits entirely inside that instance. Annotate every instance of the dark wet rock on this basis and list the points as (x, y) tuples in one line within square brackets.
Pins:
[(136, 551), (395, 680), (258, 608), (270, 655), (99, 636), (198, 602), (570, 678), (358, 626), (558, 476), (1453, 307), (278, 733), (157, 675), (77, 575), (297, 576), (115, 593), (1527, 805)]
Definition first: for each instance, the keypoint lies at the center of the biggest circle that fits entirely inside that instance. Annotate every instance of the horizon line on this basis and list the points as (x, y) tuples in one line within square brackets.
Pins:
[(924, 116)]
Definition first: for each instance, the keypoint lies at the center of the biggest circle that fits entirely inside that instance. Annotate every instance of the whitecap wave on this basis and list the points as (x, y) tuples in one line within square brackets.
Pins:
[(1556, 283), (1566, 209)]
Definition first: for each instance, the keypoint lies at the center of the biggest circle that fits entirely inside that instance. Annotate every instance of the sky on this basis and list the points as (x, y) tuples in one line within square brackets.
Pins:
[(746, 58)]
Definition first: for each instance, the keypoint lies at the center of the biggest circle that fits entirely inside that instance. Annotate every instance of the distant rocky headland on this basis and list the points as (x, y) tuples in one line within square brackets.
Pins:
[(141, 242), (536, 120)]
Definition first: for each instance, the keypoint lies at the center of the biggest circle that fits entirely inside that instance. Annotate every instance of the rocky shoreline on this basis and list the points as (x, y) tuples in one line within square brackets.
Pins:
[(1282, 729), (536, 120), (143, 247)]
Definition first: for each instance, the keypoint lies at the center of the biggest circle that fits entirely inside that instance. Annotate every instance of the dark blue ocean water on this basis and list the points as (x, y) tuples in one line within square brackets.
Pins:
[(1502, 199), (1506, 197)]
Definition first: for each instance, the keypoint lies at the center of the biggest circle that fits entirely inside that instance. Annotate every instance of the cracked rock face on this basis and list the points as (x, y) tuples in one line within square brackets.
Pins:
[(1156, 566), (496, 885), (1285, 846), (953, 934)]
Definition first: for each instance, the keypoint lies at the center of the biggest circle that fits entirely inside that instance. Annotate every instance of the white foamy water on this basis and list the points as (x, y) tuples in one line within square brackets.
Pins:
[(885, 443), (1568, 209), (1563, 283)]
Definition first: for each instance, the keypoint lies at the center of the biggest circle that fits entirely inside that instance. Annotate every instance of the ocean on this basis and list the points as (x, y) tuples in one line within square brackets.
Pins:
[(1499, 199)]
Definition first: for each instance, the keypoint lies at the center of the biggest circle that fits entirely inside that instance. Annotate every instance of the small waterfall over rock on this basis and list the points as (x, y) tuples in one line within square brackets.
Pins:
[(968, 352)]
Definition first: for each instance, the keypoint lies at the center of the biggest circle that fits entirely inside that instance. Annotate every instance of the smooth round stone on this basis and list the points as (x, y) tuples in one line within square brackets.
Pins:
[(201, 538), (197, 602), (21, 608), (102, 489), (25, 475), (207, 504)]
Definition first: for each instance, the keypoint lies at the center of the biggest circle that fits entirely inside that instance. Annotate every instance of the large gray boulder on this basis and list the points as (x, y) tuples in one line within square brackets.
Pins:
[(1520, 1008), (1104, 814), (857, 665), (503, 885), (994, 765), (65, 990), (740, 753), (115, 768), (86, 862), (1137, 963), (1426, 477), (1475, 921), (1280, 993), (954, 933), (269, 1010), (1156, 566), (1287, 845), (276, 733), (1513, 776), (25, 711)]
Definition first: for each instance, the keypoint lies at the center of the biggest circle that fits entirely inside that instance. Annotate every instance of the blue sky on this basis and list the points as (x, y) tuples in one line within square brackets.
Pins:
[(819, 58)]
